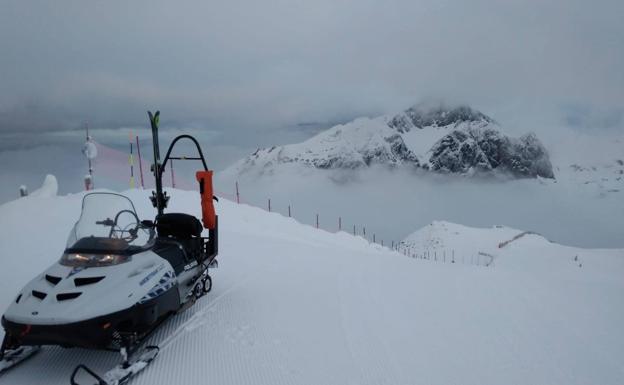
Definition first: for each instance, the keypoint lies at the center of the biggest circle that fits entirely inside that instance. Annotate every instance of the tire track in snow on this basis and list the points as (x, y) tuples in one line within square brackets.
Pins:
[(198, 318)]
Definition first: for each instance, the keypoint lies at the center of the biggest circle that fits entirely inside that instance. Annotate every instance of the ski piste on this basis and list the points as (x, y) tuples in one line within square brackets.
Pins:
[(125, 371), (145, 270)]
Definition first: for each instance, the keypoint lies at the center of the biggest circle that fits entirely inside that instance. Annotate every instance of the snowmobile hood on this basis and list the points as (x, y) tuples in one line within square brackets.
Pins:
[(64, 294)]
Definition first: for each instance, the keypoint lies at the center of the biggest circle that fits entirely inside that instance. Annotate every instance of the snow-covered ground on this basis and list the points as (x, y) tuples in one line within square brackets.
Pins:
[(296, 305)]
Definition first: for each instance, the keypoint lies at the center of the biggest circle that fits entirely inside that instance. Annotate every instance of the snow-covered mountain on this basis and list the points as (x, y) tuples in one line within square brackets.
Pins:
[(441, 139)]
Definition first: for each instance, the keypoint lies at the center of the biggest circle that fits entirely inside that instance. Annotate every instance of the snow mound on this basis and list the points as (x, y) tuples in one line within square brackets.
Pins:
[(48, 189), (506, 247)]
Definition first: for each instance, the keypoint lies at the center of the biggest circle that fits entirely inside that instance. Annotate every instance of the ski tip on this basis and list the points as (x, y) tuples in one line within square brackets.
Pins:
[(154, 117)]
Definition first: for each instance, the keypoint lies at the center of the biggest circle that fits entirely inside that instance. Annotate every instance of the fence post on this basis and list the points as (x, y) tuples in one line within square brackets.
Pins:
[(353, 230), (339, 223), (373, 237), (364, 231), (269, 204), (317, 221), (453, 260), (238, 195), (382, 242), (131, 160)]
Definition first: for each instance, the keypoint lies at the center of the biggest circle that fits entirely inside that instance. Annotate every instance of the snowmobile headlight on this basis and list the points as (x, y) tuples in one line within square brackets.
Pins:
[(92, 260)]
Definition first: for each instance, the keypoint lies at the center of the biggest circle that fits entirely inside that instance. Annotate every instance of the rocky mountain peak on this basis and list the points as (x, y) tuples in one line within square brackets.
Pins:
[(440, 115), (457, 140)]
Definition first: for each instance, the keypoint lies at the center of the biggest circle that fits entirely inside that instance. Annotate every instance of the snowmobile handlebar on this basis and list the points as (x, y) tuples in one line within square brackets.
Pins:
[(189, 137)]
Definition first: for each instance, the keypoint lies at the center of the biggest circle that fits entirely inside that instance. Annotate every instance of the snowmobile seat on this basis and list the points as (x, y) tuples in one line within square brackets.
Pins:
[(178, 225)]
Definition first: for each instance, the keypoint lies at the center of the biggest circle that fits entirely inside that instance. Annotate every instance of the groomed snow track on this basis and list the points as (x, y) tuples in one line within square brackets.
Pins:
[(294, 305)]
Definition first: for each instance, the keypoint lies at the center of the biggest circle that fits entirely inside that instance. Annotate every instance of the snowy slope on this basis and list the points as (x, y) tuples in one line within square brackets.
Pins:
[(506, 247), (296, 305)]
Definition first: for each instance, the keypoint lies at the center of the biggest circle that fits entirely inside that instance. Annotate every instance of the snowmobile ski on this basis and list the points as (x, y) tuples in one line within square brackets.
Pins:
[(14, 357), (120, 374)]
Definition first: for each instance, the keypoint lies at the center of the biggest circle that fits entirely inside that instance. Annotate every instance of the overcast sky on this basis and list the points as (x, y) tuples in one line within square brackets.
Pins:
[(256, 66), (246, 73)]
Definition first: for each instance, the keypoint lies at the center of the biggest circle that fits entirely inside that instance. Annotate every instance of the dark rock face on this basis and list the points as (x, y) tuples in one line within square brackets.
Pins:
[(439, 116), (486, 150), (336, 162)]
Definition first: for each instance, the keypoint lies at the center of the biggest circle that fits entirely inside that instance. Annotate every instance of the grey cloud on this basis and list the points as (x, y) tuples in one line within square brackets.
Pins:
[(256, 67)]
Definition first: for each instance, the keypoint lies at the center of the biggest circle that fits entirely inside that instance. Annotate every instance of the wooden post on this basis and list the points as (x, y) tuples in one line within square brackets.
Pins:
[(339, 223), (317, 221), (269, 204), (288, 211), (237, 194)]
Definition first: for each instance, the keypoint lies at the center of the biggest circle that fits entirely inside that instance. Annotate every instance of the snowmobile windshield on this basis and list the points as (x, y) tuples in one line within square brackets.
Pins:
[(108, 224)]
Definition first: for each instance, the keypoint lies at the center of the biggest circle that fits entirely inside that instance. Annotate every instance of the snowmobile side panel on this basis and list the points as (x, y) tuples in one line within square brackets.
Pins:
[(96, 333)]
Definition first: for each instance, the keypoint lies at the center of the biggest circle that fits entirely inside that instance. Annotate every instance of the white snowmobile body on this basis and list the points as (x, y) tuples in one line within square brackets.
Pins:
[(116, 279)]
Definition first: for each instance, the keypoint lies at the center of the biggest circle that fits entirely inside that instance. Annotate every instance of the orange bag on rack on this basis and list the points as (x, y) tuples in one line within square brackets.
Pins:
[(209, 217)]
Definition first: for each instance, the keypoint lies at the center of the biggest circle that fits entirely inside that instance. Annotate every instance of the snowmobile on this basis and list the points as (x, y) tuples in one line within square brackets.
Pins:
[(119, 277)]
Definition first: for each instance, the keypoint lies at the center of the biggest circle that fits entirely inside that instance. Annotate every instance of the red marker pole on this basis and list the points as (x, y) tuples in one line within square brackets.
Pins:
[(140, 165), (172, 178)]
